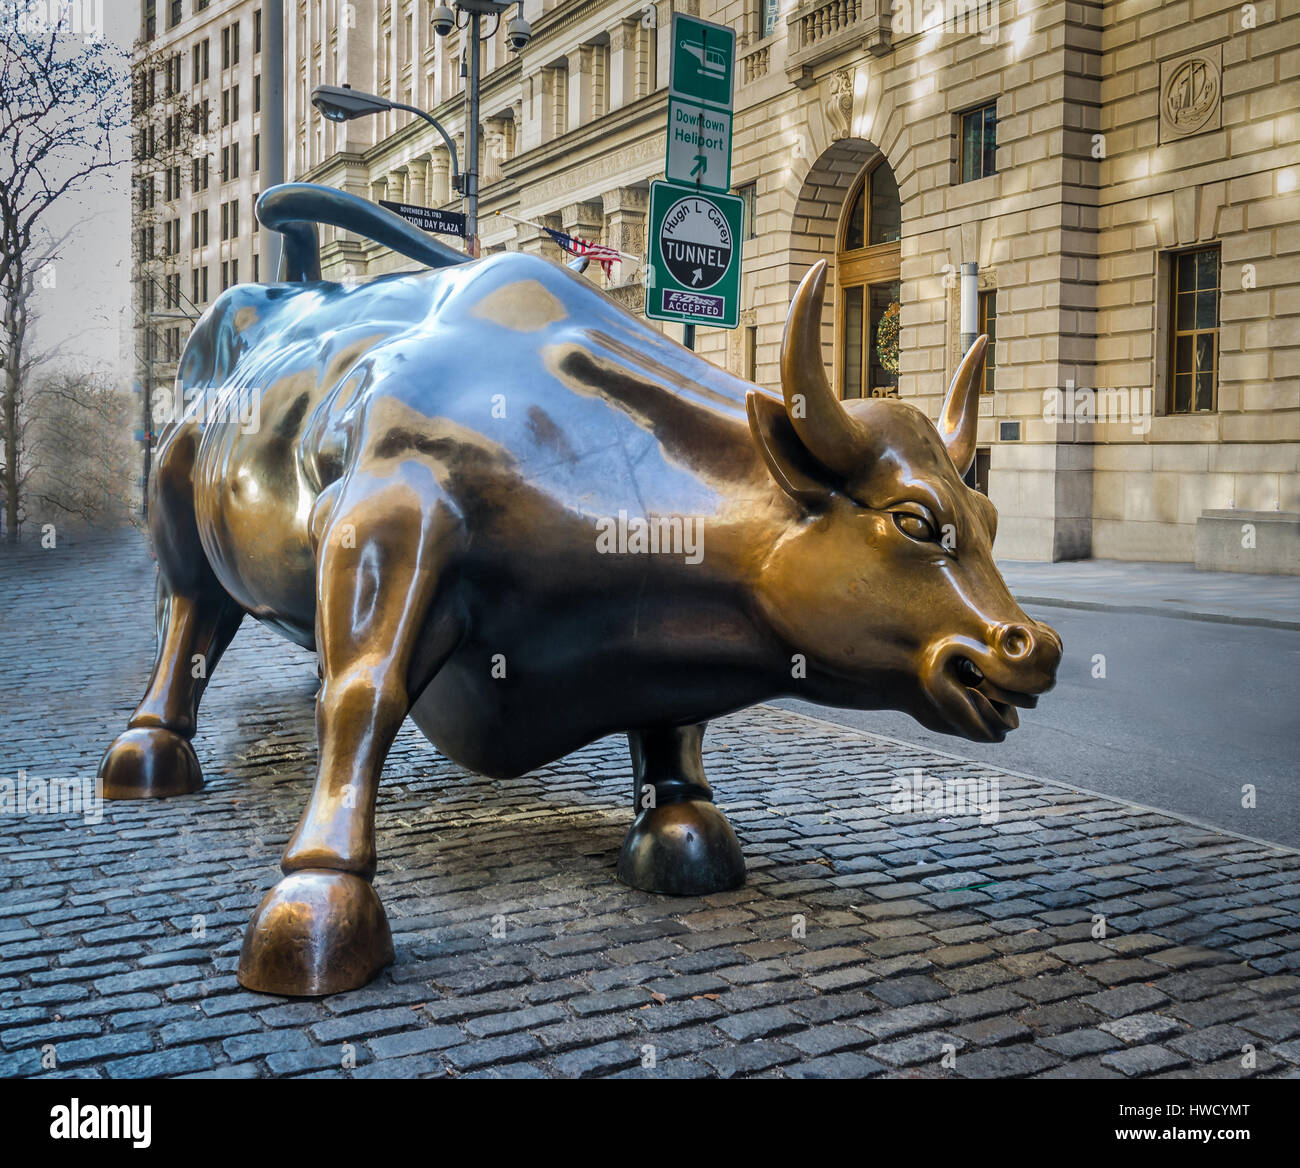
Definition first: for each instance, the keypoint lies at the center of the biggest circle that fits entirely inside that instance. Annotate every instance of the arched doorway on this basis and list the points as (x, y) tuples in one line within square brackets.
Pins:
[(848, 213), (867, 262)]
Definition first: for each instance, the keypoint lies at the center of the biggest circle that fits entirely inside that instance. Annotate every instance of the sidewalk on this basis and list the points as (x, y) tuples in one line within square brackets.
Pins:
[(870, 940), (1171, 590)]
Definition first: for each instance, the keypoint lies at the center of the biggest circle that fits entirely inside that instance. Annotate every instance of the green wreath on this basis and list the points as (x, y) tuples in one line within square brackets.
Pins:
[(887, 338)]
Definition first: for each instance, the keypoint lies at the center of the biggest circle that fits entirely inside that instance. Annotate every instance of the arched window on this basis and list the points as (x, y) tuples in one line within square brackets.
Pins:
[(867, 268)]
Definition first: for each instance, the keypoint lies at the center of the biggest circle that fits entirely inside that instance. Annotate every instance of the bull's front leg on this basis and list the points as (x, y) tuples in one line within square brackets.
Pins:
[(322, 929), (679, 843)]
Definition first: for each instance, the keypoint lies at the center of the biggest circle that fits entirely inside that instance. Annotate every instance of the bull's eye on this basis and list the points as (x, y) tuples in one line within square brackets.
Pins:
[(916, 523)]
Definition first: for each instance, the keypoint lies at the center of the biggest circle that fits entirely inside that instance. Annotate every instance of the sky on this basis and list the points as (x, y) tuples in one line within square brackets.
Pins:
[(85, 315)]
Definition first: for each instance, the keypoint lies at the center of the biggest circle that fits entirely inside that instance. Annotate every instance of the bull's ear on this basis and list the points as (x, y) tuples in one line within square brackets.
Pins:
[(796, 472)]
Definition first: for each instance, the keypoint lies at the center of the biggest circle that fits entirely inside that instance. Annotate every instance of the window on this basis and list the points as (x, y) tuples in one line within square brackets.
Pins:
[(225, 47), (207, 57), (234, 271), (234, 219), (988, 324), (203, 223), (751, 352), (867, 272), (257, 153), (174, 17), (979, 143), (875, 216), (257, 31), (768, 11), (225, 107), (225, 225), (225, 274), (257, 267), (748, 200), (203, 283), (1194, 360), (194, 286), (234, 43), (234, 103), (257, 94)]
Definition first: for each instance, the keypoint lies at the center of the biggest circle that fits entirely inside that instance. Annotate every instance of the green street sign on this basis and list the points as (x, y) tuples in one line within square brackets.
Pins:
[(693, 267), (699, 145), (703, 61)]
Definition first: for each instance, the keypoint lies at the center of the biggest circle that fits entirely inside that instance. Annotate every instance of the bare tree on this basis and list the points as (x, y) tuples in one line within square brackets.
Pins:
[(79, 439), (63, 101)]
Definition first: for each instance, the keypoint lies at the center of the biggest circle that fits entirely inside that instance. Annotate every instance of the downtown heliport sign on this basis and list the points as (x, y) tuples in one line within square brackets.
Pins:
[(693, 269)]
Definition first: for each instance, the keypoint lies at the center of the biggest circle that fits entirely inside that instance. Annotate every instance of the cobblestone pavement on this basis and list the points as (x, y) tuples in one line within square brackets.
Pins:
[(932, 945)]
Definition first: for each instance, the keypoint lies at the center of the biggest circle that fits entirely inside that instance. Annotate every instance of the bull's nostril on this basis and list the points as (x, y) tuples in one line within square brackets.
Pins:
[(968, 672), (1016, 641)]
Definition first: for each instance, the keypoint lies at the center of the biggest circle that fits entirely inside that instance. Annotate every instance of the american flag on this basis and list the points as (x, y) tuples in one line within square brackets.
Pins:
[(607, 257)]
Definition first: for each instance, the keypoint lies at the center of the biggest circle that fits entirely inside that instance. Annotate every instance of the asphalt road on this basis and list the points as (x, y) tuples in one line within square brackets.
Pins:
[(1188, 712)]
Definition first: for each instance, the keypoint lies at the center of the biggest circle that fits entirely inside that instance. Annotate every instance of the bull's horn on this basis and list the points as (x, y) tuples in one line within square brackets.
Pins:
[(828, 433), (960, 415)]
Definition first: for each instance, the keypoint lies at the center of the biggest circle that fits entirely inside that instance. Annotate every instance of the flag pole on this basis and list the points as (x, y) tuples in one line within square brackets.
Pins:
[(529, 223)]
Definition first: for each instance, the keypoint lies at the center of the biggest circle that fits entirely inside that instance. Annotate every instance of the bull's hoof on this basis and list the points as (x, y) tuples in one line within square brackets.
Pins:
[(682, 849), (150, 762), (316, 932)]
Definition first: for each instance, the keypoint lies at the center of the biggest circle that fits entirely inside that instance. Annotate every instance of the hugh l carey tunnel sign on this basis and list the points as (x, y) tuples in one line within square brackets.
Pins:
[(694, 265)]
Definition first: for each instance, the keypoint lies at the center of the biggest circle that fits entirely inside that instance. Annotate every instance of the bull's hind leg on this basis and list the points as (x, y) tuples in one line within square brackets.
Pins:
[(196, 622), (322, 929), (679, 843)]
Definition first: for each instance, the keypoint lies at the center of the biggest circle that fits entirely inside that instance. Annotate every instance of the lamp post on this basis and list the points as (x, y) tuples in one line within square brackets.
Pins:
[(342, 103), (518, 33)]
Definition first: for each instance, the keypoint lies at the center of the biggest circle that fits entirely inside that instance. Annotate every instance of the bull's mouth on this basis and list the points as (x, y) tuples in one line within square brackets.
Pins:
[(988, 708)]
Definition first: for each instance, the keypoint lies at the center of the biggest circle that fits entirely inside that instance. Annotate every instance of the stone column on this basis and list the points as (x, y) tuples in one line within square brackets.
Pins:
[(622, 41), (439, 190), (536, 242), (580, 84), (588, 221), (417, 171), (625, 213)]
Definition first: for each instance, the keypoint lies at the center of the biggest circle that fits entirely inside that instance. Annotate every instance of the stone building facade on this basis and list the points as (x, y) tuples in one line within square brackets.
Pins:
[(196, 168), (1125, 173)]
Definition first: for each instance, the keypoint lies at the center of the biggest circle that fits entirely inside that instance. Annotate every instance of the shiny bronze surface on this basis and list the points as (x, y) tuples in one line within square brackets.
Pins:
[(492, 500)]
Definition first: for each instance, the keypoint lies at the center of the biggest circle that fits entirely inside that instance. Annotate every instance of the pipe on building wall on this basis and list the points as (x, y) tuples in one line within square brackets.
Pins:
[(273, 124)]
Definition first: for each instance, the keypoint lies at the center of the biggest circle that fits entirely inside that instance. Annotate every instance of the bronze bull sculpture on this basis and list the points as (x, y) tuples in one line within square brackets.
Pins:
[(470, 492)]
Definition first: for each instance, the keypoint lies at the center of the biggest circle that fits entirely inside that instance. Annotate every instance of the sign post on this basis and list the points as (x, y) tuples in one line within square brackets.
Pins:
[(693, 260)]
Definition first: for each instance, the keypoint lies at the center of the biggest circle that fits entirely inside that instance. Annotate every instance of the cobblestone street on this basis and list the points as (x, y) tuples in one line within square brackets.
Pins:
[(867, 942)]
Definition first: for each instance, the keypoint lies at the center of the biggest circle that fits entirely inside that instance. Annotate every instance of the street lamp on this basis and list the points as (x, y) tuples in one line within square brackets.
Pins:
[(342, 103), (518, 33)]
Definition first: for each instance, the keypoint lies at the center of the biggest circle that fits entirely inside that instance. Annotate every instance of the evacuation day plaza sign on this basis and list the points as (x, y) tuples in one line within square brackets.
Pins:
[(693, 273)]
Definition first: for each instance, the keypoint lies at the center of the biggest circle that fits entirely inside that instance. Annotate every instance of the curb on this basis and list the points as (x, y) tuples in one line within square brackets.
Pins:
[(1072, 787), (1222, 618)]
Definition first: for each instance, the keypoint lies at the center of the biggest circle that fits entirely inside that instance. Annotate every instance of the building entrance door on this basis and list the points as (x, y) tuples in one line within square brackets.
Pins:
[(867, 268)]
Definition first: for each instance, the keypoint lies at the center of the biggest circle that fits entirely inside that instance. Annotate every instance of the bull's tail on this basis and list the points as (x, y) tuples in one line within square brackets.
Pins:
[(294, 209)]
